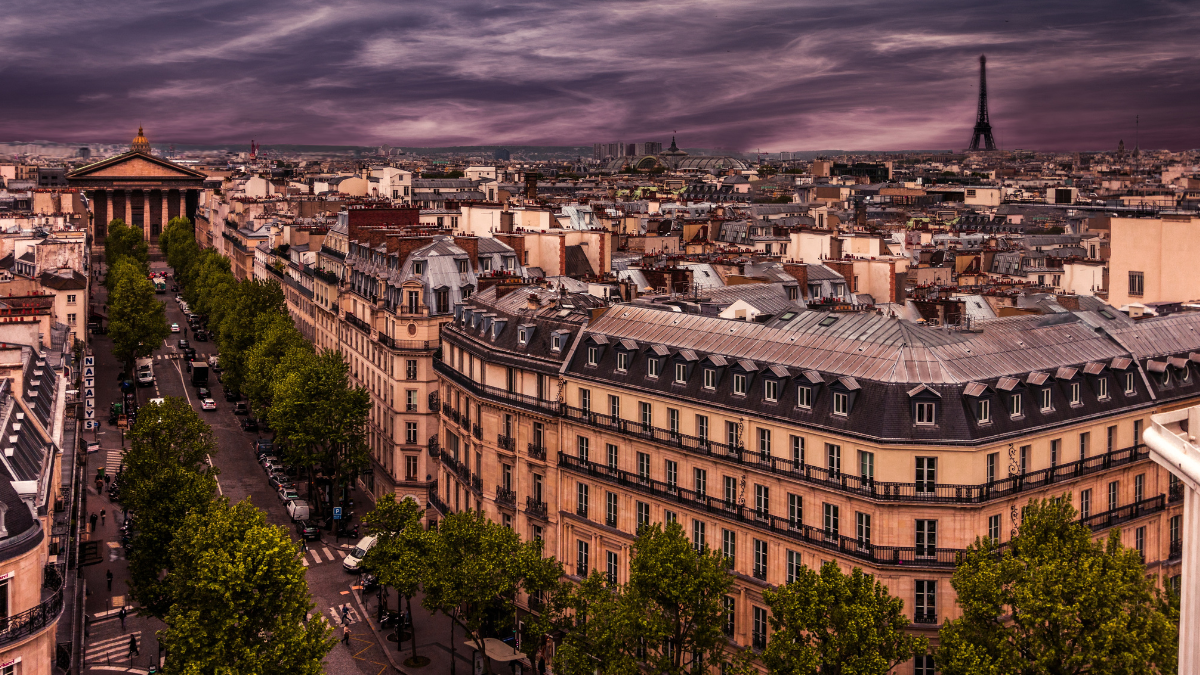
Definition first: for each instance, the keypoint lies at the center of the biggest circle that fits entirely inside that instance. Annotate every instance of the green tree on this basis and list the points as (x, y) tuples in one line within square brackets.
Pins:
[(319, 415), (137, 320), (679, 590), (276, 337), (398, 558), (474, 570), (178, 245), (166, 478), (240, 599), (1055, 601), (600, 625), (124, 241), (830, 622), (237, 322)]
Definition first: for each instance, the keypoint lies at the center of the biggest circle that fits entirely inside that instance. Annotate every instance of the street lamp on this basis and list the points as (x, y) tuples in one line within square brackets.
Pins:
[(1172, 438)]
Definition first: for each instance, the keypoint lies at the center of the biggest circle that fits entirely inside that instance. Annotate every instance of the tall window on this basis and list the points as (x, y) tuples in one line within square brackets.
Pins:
[(795, 510), (1024, 459), (984, 408), (926, 538), (1017, 405), (764, 442), (729, 546), (923, 664), (700, 481), (992, 460), (643, 465), (643, 514), (797, 451), (831, 520), (762, 500), (759, 633), (585, 400), (926, 475), (866, 465), (581, 503), (1085, 504), (581, 557), (647, 414), (702, 427), (672, 470), (1076, 396), (1137, 283), (583, 443), (610, 509), (793, 566), (614, 407), (698, 529), (862, 526), (926, 601), (410, 433), (612, 455), (729, 604), (833, 456), (1139, 487), (804, 397), (410, 369), (732, 437), (1111, 434), (730, 490), (1102, 388), (612, 566), (760, 559), (1139, 541), (1114, 494), (1129, 384), (1085, 444), (994, 528), (1054, 451)]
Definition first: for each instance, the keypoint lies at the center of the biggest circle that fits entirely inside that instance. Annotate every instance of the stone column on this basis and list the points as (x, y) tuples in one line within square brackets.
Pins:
[(120, 205), (164, 196), (146, 213)]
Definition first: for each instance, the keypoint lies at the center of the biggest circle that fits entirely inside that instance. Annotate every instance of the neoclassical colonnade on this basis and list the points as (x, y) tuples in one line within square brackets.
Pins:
[(148, 207)]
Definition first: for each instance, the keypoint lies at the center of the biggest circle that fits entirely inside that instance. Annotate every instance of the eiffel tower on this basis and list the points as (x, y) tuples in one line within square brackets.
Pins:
[(983, 128)]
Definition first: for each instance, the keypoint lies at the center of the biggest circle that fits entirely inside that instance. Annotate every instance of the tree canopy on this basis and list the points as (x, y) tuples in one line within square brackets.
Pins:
[(1055, 601), (830, 622), (124, 241), (137, 320)]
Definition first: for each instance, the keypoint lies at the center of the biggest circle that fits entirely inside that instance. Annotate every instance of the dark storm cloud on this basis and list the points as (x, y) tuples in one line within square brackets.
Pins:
[(760, 74)]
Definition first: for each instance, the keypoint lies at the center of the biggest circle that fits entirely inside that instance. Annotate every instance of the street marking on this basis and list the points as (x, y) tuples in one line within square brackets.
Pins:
[(210, 465), (304, 561), (352, 616), (328, 554), (342, 553), (316, 556)]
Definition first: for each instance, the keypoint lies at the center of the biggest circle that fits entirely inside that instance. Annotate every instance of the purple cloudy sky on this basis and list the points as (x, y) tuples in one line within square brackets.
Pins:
[(769, 74)]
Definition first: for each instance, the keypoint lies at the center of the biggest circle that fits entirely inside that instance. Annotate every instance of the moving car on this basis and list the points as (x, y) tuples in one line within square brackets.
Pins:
[(208, 404), (174, 328), (203, 393), (352, 561), (201, 336), (145, 371), (308, 530), (183, 344)]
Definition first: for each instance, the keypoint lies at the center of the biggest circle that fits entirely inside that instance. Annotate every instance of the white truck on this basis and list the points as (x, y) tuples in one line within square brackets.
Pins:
[(145, 371)]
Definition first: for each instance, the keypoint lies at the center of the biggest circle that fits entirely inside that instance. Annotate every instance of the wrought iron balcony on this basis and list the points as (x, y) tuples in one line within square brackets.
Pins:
[(925, 617), (537, 451), (477, 432), (506, 442), (31, 621), (435, 448), (1176, 550), (1125, 513), (505, 496), (495, 393), (433, 401), (535, 508)]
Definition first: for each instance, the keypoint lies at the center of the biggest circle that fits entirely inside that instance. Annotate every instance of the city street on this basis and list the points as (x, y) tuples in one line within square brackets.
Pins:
[(107, 644)]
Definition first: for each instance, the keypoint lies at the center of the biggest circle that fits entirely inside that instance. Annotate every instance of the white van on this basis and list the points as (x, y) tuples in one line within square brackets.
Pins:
[(350, 564), (145, 371), (298, 509)]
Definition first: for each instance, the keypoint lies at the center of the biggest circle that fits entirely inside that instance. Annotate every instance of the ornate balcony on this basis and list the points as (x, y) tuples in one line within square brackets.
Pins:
[(45, 613), (535, 508), (495, 394), (537, 451), (505, 496), (1125, 513), (433, 401), (506, 442), (435, 448), (925, 617), (477, 432)]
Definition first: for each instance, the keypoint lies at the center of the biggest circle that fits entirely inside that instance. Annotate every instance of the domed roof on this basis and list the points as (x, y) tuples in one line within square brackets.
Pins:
[(140, 144)]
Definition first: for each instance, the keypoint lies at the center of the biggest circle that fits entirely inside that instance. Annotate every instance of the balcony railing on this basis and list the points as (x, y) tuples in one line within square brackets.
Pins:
[(495, 393), (879, 555), (506, 442), (433, 401), (477, 483), (437, 502), (925, 617), (435, 448), (407, 345), (1175, 491), (1176, 550), (357, 323), (858, 485), (410, 407), (505, 496), (34, 619), (536, 508), (1121, 514), (537, 451), (477, 432)]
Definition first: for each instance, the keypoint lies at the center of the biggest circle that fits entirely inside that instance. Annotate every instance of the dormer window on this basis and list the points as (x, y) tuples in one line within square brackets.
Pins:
[(523, 335), (804, 397), (593, 355), (680, 373), (652, 366), (926, 412), (1130, 387), (419, 267), (622, 361), (1016, 405), (739, 384), (771, 391), (983, 411), (1102, 388), (462, 266), (710, 378), (1047, 399), (1076, 395), (841, 403), (557, 338)]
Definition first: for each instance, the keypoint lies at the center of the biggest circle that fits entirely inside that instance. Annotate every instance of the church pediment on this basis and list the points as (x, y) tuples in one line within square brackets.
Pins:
[(135, 165)]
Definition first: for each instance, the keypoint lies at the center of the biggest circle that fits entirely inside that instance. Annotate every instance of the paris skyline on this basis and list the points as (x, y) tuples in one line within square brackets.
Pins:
[(769, 75)]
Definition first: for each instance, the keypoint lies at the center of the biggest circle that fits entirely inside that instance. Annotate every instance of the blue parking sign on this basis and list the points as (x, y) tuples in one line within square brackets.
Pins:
[(337, 513)]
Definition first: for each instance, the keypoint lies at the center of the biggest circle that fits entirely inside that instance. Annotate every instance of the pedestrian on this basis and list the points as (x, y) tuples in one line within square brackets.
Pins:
[(345, 614), (102, 514), (107, 478), (133, 650), (346, 635), (92, 520), (108, 576), (121, 614), (99, 485), (303, 546)]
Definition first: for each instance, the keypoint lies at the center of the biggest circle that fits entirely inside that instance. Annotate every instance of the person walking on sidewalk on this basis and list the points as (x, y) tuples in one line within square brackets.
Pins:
[(121, 614), (108, 577), (102, 514), (346, 635), (92, 520), (133, 650)]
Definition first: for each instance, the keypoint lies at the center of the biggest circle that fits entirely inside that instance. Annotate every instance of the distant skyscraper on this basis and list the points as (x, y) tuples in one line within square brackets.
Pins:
[(983, 126)]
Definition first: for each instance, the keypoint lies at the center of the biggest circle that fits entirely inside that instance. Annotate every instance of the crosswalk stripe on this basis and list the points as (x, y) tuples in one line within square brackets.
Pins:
[(328, 554), (316, 556), (342, 553), (304, 561)]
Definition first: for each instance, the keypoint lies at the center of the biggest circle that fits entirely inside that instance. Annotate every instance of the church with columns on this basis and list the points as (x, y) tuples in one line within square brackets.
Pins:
[(139, 188)]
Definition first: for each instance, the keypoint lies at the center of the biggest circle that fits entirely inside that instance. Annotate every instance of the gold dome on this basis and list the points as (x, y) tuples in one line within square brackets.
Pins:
[(140, 144)]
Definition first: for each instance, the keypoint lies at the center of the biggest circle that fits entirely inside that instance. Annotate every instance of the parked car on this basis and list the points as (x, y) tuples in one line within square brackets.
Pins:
[(287, 493), (308, 529), (273, 465), (232, 396), (89, 446), (241, 408), (298, 509), (263, 446), (174, 328), (249, 424), (208, 404), (174, 289), (201, 336), (278, 481), (352, 561)]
